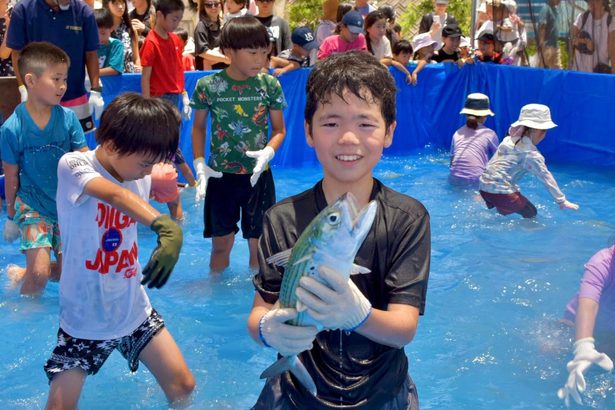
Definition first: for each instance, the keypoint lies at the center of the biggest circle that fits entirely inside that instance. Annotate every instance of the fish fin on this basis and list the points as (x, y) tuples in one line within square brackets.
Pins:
[(300, 306), (305, 258), (294, 365), (358, 270), (280, 258)]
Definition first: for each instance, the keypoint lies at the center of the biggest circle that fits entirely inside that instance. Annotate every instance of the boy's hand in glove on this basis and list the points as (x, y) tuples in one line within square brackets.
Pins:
[(166, 254)]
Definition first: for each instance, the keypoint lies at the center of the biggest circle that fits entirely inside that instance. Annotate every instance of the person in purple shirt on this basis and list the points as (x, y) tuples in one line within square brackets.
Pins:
[(473, 144), (592, 313)]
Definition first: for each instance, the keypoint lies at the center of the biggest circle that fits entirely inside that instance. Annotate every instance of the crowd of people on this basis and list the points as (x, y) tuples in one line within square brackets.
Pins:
[(84, 205)]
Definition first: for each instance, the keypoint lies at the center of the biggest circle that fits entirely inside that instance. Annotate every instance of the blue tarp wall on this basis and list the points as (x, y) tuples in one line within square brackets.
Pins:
[(583, 106)]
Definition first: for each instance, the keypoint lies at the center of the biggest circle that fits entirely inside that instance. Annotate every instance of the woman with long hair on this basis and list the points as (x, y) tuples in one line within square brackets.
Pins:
[(123, 31), (207, 36)]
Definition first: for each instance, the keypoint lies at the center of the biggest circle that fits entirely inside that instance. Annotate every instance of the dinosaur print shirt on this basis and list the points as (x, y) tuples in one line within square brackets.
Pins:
[(239, 117)]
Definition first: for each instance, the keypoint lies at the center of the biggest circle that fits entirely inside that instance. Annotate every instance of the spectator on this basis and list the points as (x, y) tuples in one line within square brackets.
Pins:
[(449, 53), (424, 48), (303, 42), (342, 9), (70, 25), (6, 66), (140, 17), (548, 35), (111, 50), (350, 37), (328, 21), (402, 54), (465, 50), (375, 36), (235, 8), (486, 49), (123, 31), (511, 33), (389, 14), (187, 54), (207, 37), (363, 7), (277, 26), (434, 22), (593, 38)]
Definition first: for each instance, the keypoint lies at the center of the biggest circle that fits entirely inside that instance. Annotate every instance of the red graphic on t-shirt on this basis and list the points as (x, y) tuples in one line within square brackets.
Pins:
[(108, 256)]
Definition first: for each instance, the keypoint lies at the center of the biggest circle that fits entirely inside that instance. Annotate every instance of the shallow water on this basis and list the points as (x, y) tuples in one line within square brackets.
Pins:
[(489, 338)]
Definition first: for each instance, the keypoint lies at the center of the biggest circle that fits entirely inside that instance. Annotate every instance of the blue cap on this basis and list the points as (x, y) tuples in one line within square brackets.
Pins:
[(304, 37), (354, 21)]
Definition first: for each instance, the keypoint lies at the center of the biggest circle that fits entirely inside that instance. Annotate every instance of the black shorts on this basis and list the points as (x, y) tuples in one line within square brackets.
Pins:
[(231, 198), (89, 355)]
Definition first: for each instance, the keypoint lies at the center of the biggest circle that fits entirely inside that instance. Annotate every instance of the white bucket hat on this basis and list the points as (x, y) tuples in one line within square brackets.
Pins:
[(422, 40), (477, 104), (535, 116)]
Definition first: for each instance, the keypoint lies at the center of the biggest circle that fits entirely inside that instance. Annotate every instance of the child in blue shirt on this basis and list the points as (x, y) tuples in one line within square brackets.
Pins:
[(33, 139), (111, 50)]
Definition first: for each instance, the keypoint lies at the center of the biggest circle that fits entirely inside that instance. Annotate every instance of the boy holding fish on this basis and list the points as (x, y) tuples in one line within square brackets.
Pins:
[(360, 361)]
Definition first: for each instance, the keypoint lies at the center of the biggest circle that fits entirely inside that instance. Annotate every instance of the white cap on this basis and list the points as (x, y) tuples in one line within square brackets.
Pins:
[(422, 40), (536, 116)]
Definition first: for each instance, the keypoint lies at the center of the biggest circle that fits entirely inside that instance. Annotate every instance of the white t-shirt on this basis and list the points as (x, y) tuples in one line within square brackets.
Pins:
[(101, 296), (599, 32), (382, 49)]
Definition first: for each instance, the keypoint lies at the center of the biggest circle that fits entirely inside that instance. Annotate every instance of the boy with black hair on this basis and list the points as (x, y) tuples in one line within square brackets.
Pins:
[(111, 50), (161, 57), (449, 52), (304, 41), (349, 120), (33, 139), (241, 100), (102, 195)]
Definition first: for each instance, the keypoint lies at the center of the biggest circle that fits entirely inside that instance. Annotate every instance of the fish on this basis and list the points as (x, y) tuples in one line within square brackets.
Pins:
[(333, 239)]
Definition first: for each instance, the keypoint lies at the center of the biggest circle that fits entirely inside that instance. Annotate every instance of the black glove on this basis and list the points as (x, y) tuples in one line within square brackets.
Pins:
[(166, 254)]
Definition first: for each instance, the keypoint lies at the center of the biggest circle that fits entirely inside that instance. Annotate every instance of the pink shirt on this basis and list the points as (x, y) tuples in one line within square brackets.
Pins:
[(598, 284), (336, 44)]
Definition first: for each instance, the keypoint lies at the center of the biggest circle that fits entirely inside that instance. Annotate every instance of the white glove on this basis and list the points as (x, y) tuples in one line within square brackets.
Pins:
[(263, 157), (23, 92), (585, 355), (187, 109), (96, 103), (11, 231), (288, 340), (203, 173), (341, 305)]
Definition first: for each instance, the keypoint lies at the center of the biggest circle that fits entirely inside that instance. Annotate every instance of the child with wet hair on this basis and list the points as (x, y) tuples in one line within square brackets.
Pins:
[(515, 157), (349, 120)]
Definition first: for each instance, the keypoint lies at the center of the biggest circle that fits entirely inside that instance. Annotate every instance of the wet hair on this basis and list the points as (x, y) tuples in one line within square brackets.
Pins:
[(371, 19), (342, 9), (357, 72), (125, 17), (104, 18), (402, 46), (37, 56), (473, 121), (169, 6), (182, 33), (244, 32), (138, 125)]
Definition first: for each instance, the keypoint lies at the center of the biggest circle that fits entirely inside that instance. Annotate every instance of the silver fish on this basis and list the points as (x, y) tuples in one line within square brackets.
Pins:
[(333, 239)]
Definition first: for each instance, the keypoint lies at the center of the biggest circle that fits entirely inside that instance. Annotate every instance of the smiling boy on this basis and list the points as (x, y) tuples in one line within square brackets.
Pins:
[(349, 120)]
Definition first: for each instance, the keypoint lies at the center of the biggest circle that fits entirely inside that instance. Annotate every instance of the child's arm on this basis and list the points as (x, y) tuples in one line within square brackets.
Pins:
[(11, 186), (401, 68), (187, 173), (535, 164), (135, 50), (170, 236), (108, 71), (146, 75), (292, 65), (199, 137), (263, 156), (417, 70)]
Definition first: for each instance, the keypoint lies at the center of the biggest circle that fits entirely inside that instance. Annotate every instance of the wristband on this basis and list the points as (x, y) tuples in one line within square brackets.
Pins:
[(260, 332)]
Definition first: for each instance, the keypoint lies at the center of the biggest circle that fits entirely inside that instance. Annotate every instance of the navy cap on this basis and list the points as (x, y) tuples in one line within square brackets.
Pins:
[(451, 31), (304, 37), (354, 21)]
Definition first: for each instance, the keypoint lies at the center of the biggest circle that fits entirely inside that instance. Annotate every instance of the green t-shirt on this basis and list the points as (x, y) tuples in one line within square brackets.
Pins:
[(239, 113)]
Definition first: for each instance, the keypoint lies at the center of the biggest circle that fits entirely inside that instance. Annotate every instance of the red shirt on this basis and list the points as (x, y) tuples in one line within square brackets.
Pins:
[(164, 56), (188, 61)]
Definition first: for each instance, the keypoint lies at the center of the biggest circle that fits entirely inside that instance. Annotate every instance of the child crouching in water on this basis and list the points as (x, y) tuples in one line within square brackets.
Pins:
[(516, 156), (101, 196), (473, 144)]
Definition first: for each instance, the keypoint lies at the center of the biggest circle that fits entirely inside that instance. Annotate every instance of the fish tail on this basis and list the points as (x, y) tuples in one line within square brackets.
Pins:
[(294, 365)]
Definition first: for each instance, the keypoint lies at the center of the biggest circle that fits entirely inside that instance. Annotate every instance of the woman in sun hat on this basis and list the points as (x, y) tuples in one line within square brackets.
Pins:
[(473, 144), (516, 156)]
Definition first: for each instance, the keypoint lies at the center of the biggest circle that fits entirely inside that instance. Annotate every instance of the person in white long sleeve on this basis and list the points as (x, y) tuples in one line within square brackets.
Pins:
[(516, 156)]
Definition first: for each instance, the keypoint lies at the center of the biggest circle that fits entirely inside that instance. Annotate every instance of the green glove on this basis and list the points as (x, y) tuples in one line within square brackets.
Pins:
[(166, 254)]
